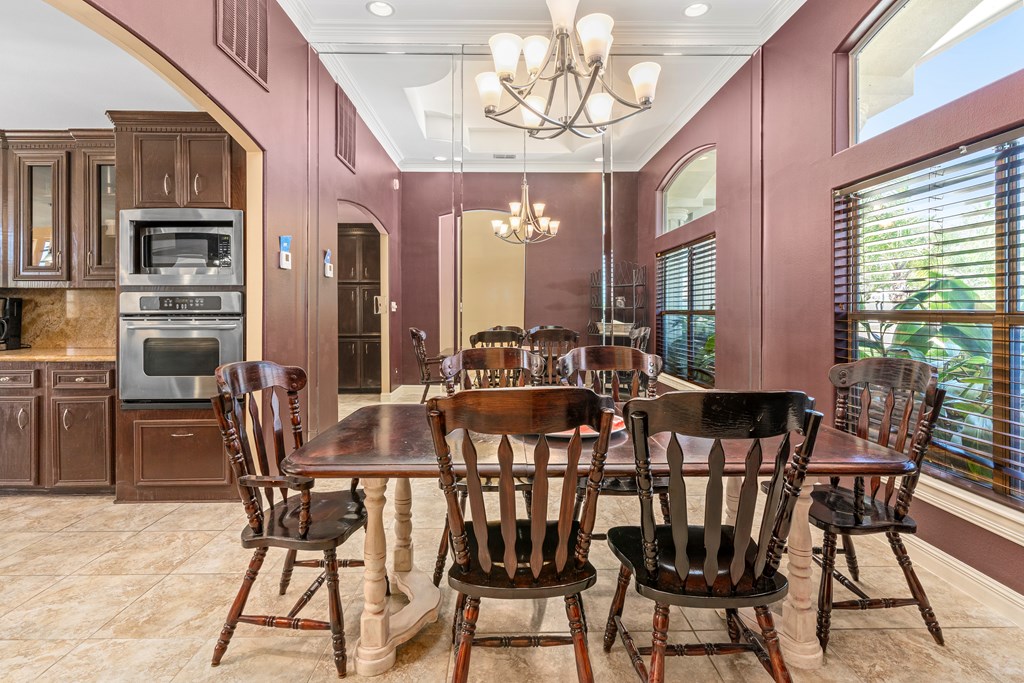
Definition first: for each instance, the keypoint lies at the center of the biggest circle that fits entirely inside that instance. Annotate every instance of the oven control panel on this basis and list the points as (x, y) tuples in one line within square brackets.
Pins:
[(180, 303), (223, 258)]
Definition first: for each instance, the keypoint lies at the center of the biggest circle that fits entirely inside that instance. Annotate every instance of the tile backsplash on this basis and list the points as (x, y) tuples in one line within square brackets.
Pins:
[(72, 318)]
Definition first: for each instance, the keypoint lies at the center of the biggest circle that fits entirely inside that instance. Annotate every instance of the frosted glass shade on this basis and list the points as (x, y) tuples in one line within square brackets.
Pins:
[(489, 86), (514, 208), (496, 226), (645, 80), (553, 227), (599, 107), (563, 13), (538, 209), (505, 49), (544, 223), (595, 32), (514, 222), (529, 118), (535, 51)]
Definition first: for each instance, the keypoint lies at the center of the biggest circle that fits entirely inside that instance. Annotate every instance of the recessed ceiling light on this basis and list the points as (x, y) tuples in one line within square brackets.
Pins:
[(671, 54), (440, 158), (383, 9), (697, 9), (394, 52)]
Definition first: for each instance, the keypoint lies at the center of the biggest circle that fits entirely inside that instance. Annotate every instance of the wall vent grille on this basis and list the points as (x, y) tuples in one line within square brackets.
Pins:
[(242, 34), (504, 156), (345, 133)]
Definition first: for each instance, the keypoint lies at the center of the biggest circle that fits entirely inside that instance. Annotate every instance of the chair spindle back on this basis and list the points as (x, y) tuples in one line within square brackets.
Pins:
[(551, 343), (490, 368), (510, 412), (894, 402), (638, 338), (601, 367), (496, 338), (419, 347), (728, 419)]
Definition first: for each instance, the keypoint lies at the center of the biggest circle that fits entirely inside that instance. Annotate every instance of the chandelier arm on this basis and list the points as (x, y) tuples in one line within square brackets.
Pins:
[(528, 129), (604, 124), (608, 89), (583, 102), (543, 116), (577, 51)]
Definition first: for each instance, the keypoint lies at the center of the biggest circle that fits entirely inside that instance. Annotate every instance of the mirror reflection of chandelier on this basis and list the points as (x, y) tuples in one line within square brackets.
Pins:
[(526, 223), (568, 67)]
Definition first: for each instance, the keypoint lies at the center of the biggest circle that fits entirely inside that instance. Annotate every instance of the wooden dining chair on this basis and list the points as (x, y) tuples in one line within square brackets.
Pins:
[(551, 343), (712, 565), (495, 368), (512, 558), (893, 402), (427, 364), (603, 368), (513, 328), (638, 338), (493, 338), (307, 521)]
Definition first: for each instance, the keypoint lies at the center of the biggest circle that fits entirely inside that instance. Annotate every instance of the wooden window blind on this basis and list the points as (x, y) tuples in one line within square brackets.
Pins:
[(242, 34), (686, 311), (928, 266), (345, 130)]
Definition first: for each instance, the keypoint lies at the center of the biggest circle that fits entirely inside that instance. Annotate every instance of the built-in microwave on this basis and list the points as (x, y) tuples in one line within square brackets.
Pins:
[(181, 248)]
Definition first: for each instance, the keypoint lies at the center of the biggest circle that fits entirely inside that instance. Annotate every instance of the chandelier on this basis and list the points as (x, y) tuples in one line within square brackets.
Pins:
[(569, 66), (526, 222)]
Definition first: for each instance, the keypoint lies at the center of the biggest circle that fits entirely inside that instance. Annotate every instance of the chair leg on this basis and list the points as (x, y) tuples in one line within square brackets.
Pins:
[(771, 641), (828, 563), (659, 643), (578, 629), (286, 573), (665, 511), (460, 673), (238, 605), (578, 504), (732, 616), (851, 557), (618, 601), (528, 499), (442, 553), (460, 605), (916, 589), (426, 390), (337, 617)]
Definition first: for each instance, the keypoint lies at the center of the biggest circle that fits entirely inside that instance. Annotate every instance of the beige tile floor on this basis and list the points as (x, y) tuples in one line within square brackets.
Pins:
[(91, 591)]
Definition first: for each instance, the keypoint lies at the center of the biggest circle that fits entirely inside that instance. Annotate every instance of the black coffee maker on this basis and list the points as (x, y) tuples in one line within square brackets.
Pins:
[(10, 323)]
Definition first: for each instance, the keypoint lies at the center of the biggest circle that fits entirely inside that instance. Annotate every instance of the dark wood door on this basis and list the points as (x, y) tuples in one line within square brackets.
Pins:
[(370, 365), (369, 257), (81, 438), (348, 364), (155, 159), (348, 257), (369, 315), (100, 220), (349, 306), (206, 161), (19, 425), (41, 215)]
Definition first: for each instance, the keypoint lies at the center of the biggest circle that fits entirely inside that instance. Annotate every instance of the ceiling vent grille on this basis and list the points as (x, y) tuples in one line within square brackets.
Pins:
[(345, 130), (504, 156), (242, 34)]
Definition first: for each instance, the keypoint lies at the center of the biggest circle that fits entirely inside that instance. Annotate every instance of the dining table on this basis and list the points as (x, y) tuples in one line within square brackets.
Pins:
[(386, 441)]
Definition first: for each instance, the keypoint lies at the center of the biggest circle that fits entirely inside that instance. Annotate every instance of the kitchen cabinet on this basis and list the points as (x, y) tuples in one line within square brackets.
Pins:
[(96, 219), (57, 423), (359, 304), (40, 197), (182, 169), (358, 364), (206, 159)]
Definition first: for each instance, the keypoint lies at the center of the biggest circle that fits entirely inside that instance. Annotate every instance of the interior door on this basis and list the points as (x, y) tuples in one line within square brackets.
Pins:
[(359, 308)]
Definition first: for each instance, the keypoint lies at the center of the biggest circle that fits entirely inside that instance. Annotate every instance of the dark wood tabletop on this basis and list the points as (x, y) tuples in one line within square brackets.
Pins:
[(393, 440)]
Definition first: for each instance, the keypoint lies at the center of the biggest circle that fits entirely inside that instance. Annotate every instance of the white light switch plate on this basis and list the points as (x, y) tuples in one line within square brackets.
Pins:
[(328, 270), (286, 260)]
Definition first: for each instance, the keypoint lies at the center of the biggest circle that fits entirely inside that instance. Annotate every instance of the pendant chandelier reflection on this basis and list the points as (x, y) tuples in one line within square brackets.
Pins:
[(571, 64), (526, 223)]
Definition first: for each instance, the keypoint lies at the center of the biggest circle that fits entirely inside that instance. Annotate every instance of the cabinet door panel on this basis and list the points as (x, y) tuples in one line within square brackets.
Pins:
[(370, 365), (207, 164), (348, 364), (155, 158), (19, 425), (369, 321), (179, 452), (348, 257), (82, 441), (100, 217), (369, 257), (41, 216), (349, 304)]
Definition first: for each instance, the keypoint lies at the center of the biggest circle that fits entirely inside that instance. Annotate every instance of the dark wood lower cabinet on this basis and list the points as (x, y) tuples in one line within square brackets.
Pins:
[(19, 427), (358, 365), (82, 441)]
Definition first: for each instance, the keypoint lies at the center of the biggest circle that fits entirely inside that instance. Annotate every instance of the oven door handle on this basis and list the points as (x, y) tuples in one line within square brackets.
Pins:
[(182, 326)]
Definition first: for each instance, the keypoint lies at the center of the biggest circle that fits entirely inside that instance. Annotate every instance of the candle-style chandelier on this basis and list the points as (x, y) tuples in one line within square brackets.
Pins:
[(526, 223), (571, 64)]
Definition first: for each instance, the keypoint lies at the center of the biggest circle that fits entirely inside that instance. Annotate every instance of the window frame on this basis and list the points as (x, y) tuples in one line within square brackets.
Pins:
[(689, 312), (670, 177)]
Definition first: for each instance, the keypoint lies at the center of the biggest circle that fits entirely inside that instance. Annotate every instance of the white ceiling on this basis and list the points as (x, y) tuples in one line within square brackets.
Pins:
[(412, 101), (56, 74)]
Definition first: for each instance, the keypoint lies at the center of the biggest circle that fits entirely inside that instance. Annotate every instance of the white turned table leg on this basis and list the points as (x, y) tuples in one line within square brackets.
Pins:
[(373, 656), (403, 526), (732, 498), (800, 608)]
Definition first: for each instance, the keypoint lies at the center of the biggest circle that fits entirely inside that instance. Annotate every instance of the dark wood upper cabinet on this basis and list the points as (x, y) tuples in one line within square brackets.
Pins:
[(207, 164), (100, 217), (155, 159), (40, 194), (348, 256)]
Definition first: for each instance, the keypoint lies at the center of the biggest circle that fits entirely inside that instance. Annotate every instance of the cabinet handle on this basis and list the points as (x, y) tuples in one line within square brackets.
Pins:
[(352, 273), (351, 352), (79, 380), (195, 185), (365, 292), (182, 436), (64, 420), (22, 419), (366, 272), (5, 380), (167, 185), (352, 295)]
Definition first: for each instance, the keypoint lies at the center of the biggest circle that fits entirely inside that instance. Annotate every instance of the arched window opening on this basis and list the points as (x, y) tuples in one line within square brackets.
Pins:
[(691, 192)]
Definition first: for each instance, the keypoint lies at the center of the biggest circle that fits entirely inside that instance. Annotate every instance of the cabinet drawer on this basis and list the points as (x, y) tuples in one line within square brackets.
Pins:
[(81, 379), (18, 379), (179, 452)]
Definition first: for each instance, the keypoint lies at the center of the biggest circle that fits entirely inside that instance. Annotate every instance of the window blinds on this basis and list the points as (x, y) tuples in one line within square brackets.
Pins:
[(686, 311)]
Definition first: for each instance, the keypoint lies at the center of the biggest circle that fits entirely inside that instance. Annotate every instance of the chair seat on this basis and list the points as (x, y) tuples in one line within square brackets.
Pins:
[(832, 510), (334, 516), (522, 586), (624, 486), (667, 587)]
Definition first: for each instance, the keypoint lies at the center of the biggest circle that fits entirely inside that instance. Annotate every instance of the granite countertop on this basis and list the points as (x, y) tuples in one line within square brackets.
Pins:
[(61, 354)]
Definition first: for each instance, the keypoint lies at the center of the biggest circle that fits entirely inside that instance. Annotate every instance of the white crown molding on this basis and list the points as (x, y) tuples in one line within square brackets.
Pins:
[(777, 15), (336, 68), (299, 13)]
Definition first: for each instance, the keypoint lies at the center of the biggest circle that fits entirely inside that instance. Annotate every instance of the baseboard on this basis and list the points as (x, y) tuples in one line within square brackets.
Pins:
[(986, 590)]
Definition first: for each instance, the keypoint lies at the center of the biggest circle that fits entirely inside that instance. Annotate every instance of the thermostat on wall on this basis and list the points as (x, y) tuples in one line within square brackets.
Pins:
[(285, 262)]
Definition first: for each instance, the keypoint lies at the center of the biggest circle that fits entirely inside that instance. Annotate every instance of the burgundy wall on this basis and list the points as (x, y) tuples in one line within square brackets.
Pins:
[(557, 271), (775, 126), (293, 123)]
